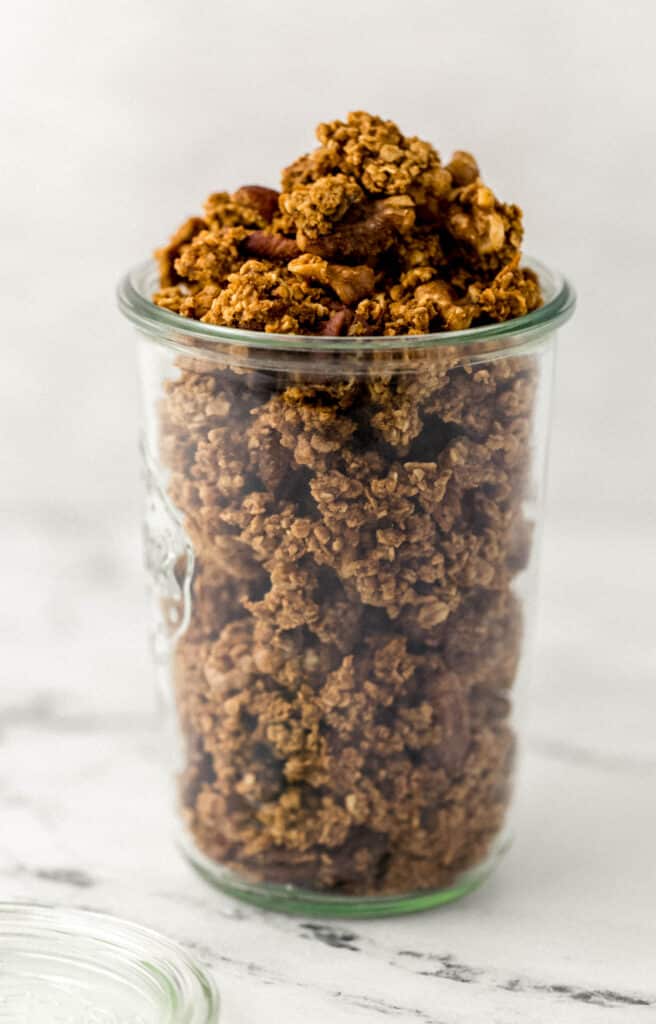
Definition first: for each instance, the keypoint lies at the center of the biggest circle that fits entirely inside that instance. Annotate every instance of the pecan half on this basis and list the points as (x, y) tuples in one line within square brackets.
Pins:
[(260, 198), (350, 284), (463, 168), (270, 246), (337, 323), (364, 239)]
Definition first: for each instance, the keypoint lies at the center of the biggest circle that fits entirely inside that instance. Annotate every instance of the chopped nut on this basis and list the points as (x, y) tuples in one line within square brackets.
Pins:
[(462, 168), (270, 246), (350, 284), (474, 219), (337, 323), (264, 200)]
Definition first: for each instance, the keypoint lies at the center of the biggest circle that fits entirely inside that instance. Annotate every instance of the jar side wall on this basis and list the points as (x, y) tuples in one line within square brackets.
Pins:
[(527, 582), (348, 558)]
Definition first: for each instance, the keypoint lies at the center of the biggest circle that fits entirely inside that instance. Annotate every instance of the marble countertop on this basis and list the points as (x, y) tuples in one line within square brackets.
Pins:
[(565, 931)]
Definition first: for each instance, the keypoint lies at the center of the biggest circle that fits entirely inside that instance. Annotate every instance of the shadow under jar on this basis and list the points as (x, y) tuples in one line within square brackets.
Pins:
[(340, 535)]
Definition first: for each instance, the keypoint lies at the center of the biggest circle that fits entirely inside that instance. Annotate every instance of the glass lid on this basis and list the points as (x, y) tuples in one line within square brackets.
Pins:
[(60, 966)]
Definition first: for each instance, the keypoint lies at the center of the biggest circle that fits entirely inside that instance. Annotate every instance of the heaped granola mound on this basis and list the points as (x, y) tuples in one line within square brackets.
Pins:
[(344, 681), (371, 234)]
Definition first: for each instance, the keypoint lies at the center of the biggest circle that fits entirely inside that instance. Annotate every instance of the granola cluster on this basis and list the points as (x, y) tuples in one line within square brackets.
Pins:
[(370, 235), (343, 683)]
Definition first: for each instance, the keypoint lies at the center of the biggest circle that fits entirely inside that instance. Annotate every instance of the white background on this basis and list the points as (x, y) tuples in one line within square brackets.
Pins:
[(117, 120)]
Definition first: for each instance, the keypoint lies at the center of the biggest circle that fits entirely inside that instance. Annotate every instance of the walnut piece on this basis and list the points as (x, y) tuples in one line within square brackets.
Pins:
[(350, 284), (474, 219)]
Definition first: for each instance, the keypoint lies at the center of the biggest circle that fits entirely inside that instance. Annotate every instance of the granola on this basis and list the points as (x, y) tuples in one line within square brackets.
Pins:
[(344, 683), (367, 196)]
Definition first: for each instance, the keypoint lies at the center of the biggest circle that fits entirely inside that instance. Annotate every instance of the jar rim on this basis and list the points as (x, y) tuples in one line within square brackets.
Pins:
[(137, 285), (62, 943)]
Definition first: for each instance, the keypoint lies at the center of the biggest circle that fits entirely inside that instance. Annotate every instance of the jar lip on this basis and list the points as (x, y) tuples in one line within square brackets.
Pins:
[(137, 285), (63, 944)]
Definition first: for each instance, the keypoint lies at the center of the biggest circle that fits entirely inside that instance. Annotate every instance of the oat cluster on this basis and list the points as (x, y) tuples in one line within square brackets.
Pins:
[(371, 234), (343, 684)]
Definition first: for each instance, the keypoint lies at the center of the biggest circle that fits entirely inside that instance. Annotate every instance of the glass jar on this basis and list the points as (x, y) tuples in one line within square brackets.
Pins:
[(62, 966), (341, 539)]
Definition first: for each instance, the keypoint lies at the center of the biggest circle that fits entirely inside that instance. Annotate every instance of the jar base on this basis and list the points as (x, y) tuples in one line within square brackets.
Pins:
[(289, 899)]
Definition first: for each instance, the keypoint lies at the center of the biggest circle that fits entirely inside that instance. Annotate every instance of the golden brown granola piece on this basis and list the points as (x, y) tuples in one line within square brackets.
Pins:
[(308, 168), (513, 292), (199, 300), (419, 248), (167, 256), (314, 430), (211, 256), (314, 209), (369, 317), (263, 297), (188, 301), (224, 211), (407, 316), (384, 161), (173, 299)]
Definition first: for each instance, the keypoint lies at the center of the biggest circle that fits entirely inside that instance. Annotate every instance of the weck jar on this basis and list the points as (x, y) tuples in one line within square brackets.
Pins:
[(341, 537)]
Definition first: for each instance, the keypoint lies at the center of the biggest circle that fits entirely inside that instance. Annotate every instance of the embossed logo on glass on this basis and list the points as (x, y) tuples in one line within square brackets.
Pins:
[(169, 560)]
